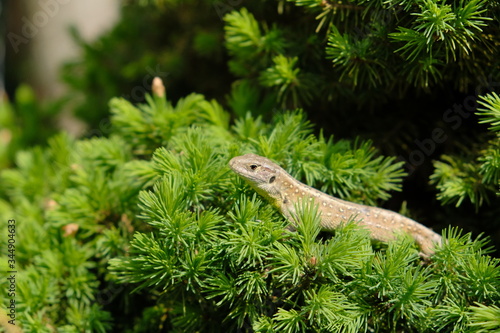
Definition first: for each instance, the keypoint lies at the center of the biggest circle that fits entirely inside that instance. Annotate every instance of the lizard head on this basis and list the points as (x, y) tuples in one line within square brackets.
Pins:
[(261, 173)]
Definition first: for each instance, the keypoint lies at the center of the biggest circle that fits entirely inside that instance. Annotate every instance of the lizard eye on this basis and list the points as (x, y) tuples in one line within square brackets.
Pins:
[(272, 179), (253, 166)]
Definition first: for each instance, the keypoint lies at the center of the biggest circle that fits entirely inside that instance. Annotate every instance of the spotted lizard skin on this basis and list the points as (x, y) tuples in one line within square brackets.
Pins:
[(285, 193)]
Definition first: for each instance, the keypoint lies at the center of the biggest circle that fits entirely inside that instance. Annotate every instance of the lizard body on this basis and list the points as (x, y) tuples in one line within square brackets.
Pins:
[(285, 192)]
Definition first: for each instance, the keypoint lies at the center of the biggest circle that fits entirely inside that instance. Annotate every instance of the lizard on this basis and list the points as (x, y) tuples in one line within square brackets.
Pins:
[(285, 192)]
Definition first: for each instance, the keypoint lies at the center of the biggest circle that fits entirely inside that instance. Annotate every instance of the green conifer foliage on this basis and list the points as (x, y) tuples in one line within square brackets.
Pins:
[(375, 47), (476, 177), (206, 253), (238, 267), (148, 230)]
